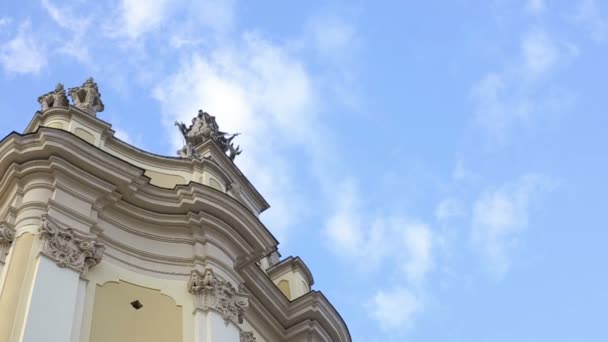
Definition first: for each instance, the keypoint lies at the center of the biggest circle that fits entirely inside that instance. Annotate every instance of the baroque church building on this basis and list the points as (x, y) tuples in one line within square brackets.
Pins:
[(103, 242)]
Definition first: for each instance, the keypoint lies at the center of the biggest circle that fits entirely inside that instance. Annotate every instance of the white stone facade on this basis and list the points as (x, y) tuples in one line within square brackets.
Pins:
[(102, 241)]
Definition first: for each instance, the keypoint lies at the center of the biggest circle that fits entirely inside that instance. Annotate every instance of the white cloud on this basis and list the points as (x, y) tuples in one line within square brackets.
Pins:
[(395, 309), (141, 16), (5, 21), (540, 53), (419, 247), (518, 94), (261, 91), (449, 208), (589, 17), (77, 25), (332, 36), (400, 248), (405, 243), (501, 215), (24, 53), (535, 6)]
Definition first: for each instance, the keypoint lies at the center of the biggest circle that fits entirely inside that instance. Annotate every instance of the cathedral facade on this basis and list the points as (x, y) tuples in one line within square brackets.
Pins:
[(103, 242)]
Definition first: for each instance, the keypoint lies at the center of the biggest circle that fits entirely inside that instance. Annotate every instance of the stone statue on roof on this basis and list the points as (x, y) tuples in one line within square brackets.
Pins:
[(204, 128), (55, 98), (87, 97)]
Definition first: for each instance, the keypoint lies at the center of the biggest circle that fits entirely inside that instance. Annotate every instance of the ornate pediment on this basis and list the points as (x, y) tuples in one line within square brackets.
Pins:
[(219, 295), (70, 248), (205, 128)]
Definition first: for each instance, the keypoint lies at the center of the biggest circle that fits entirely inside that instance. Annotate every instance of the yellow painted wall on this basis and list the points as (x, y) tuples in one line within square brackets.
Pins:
[(115, 320), (284, 287)]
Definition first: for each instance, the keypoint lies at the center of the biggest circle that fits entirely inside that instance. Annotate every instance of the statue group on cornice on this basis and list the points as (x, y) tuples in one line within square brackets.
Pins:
[(85, 97), (204, 128)]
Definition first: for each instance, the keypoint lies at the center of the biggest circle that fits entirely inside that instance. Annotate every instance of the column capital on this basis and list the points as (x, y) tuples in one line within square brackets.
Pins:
[(70, 248), (7, 236), (218, 295)]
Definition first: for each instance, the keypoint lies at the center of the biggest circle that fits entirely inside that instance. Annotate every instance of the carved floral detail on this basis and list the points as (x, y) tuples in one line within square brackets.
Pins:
[(87, 97), (7, 236), (70, 248), (247, 336), (219, 295), (55, 98)]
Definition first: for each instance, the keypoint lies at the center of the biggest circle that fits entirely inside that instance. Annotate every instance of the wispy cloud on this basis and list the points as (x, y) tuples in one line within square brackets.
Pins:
[(518, 94), (138, 17), (535, 6), (261, 91), (23, 54), (395, 309), (588, 15), (77, 26), (501, 215), (397, 243)]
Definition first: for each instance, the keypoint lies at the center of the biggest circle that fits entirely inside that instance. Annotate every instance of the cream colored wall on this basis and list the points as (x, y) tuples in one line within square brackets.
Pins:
[(297, 285), (165, 180), (285, 287), (115, 319), (173, 290), (16, 285)]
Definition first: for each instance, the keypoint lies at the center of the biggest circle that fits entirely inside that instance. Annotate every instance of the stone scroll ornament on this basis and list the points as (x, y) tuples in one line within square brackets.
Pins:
[(247, 336), (87, 97), (213, 293), (7, 236), (204, 128), (55, 98), (70, 248)]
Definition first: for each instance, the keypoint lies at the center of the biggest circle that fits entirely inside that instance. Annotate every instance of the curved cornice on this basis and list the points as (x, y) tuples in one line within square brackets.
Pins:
[(126, 186), (291, 263), (313, 306), (221, 164)]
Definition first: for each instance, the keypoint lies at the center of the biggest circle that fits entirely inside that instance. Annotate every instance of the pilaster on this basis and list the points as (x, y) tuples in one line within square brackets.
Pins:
[(57, 296), (219, 308)]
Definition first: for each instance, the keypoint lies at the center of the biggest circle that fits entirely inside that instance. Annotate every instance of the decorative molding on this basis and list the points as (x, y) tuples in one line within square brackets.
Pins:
[(219, 295), (70, 248), (7, 236), (247, 336)]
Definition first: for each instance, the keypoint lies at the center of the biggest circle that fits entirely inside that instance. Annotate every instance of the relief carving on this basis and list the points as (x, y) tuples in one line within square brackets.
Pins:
[(247, 336), (219, 295), (70, 248), (7, 236)]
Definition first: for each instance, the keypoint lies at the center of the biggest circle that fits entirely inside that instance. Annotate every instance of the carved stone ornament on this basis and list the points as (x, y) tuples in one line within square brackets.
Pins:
[(7, 236), (70, 248), (219, 295), (247, 336), (204, 128), (87, 97), (55, 98)]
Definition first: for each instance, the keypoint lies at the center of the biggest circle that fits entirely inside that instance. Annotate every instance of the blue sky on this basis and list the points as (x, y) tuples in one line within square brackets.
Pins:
[(437, 164)]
